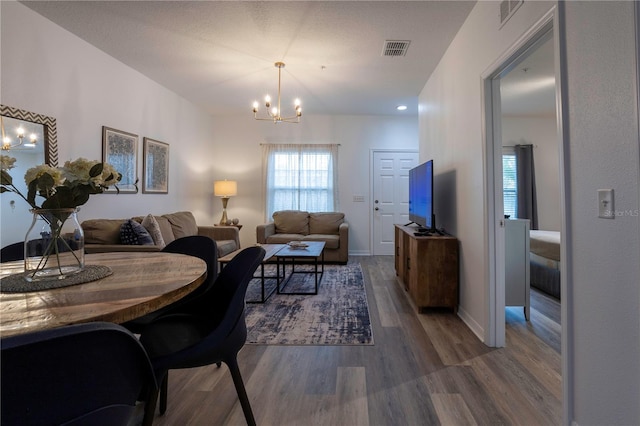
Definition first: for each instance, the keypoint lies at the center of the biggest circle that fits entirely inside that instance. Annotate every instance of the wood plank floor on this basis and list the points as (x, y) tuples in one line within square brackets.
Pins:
[(424, 369)]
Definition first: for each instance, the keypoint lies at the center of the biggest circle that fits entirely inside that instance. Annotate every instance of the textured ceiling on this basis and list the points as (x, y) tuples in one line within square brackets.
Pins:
[(221, 54)]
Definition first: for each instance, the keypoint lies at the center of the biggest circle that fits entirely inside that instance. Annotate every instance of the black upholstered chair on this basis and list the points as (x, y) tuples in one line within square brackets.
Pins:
[(208, 330), (85, 374), (197, 246), (15, 251), (12, 252)]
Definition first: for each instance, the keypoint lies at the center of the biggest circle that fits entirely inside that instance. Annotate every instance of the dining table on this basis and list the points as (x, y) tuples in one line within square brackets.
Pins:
[(140, 283)]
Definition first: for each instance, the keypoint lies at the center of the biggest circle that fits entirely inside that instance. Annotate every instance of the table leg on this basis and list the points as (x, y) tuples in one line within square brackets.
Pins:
[(317, 274), (262, 284)]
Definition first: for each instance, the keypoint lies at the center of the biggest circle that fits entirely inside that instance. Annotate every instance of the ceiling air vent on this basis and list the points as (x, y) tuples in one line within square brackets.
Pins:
[(395, 47), (507, 9)]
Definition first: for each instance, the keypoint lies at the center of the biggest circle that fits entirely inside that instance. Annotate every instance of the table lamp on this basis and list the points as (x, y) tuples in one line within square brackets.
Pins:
[(225, 189)]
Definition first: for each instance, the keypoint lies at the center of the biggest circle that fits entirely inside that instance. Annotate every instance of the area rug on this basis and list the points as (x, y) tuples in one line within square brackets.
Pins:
[(337, 315)]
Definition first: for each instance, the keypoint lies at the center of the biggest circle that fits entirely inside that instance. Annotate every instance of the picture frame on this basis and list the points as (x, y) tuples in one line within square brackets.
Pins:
[(120, 149), (155, 167)]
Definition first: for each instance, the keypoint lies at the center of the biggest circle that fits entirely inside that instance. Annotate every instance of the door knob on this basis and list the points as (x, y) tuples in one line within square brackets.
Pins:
[(377, 208)]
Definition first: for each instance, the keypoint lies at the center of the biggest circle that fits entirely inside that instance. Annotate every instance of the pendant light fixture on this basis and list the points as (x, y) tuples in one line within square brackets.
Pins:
[(274, 113)]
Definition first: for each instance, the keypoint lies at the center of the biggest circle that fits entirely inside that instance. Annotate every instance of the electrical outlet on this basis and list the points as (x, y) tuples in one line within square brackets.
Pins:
[(605, 204)]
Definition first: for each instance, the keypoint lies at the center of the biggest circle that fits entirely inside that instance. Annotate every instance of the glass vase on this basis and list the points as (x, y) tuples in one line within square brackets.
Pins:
[(54, 245)]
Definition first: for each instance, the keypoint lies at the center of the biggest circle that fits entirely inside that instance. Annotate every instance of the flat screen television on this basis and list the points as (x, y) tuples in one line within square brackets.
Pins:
[(421, 196)]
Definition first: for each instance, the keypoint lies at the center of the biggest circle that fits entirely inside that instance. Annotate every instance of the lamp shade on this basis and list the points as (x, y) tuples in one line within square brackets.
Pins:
[(225, 188)]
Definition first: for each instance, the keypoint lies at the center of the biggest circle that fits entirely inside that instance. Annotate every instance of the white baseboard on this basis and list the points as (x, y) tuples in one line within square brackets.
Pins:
[(476, 328), (359, 253)]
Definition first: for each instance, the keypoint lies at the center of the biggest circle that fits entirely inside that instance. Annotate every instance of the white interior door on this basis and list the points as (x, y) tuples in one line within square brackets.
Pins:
[(390, 196)]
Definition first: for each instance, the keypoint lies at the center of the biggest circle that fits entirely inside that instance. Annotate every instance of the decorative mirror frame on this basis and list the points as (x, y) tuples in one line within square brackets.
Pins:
[(50, 130)]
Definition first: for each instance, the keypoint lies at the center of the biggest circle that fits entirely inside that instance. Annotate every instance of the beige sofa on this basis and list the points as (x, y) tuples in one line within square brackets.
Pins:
[(103, 235), (296, 225)]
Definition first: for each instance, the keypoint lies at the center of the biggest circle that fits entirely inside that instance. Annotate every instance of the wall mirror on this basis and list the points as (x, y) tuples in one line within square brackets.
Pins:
[(14, 118), (31, 139)]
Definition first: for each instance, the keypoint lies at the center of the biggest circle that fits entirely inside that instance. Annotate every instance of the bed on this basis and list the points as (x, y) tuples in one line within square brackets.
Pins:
[(545, 261)]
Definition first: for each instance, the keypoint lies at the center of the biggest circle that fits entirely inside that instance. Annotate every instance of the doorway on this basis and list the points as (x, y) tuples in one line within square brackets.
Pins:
[(390, 195), (504, 112)]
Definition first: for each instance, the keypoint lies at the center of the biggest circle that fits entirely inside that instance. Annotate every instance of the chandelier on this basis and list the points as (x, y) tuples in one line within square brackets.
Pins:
[(9, 143), (275, 113)]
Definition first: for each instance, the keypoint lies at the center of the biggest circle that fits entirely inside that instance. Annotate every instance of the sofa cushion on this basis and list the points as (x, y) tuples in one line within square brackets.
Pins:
[(183, 224), (165, 229), (332, 241), (151, 225), (325, 223), (291, 222), (133, 233), (102, 231), (283, 238)]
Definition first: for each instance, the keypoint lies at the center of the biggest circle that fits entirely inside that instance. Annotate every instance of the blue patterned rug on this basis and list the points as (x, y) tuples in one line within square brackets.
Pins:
[(337, 315)]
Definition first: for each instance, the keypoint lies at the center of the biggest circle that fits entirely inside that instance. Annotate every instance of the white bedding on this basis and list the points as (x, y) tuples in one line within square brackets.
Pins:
[(545, 244), (544, 261)]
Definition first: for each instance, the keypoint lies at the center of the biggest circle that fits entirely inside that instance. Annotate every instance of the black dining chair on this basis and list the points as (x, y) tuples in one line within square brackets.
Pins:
[(15, 251), (198, 246), (208, 330), (12, 252), (84, 374)]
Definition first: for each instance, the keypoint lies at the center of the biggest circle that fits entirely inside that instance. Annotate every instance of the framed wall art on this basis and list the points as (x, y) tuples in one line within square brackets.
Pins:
[(155, 167), (120, 149)]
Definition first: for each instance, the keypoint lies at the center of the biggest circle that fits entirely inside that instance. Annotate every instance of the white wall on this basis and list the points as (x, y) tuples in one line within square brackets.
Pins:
[(451, 132), (238, 156), (541, 132), (84, 89), (47, 70), (604, 152), (13, 208), (601, 361)]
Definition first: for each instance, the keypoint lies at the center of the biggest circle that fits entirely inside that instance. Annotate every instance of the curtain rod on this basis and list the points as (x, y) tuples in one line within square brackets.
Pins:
[(339, 144)]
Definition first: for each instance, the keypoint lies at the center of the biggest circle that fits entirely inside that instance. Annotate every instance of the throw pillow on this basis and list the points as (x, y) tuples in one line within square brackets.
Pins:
[(153, 228), (132, 233)]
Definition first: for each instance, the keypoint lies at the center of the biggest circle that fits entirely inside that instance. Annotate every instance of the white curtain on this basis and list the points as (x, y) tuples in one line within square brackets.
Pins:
[(509, 181), (300, 177)]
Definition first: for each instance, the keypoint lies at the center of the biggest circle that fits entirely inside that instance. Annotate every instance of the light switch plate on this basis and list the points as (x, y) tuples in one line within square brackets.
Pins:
[(605, 204)]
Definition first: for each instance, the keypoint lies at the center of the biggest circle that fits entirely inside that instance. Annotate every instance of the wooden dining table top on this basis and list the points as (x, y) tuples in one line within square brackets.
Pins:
[(141, 282)]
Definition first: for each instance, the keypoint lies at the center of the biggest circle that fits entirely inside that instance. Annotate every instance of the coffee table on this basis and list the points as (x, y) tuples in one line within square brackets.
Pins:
[(271, 250), (313, 251)]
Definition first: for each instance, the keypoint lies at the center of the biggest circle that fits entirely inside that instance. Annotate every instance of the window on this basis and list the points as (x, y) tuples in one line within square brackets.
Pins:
[(510, 182), (300, 177)]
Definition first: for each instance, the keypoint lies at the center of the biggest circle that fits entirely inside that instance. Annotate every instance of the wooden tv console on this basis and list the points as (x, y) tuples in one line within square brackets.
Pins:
[(427, 267)]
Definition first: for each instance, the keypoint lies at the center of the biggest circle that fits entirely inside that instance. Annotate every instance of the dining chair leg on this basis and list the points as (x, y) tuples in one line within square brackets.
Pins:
[(150, 408), (164, 390), (242, 393)]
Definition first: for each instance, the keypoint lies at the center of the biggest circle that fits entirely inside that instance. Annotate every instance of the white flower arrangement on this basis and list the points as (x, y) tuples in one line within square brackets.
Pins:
[(61, 187)]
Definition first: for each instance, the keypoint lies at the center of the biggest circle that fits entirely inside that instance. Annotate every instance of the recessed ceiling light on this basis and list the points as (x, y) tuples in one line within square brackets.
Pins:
[(401, 107)]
